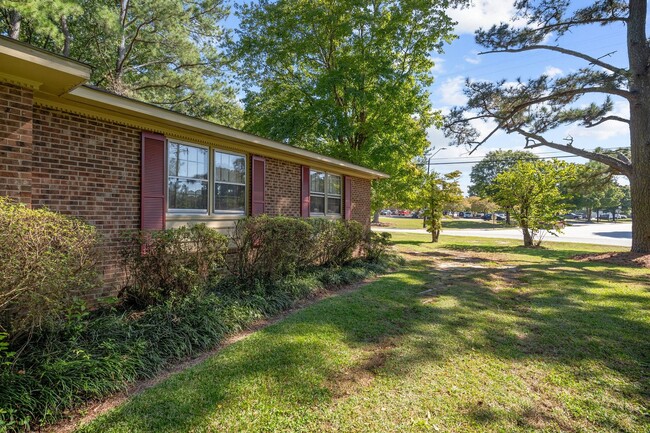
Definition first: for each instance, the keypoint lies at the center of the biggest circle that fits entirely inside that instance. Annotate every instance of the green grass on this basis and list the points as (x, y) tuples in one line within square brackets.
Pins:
[(416, 223), (504, 339)]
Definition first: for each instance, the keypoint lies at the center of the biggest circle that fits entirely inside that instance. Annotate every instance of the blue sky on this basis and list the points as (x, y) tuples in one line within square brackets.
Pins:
[(461, 60)]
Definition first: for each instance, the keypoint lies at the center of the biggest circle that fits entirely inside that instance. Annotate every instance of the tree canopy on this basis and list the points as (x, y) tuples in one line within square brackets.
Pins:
[(165, 52), (438, 193), (485, 171), (535, 107), (531, 191), (345, 78)]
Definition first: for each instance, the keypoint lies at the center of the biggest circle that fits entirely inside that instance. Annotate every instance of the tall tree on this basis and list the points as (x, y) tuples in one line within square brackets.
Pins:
[(537, 106), (165, 52), (530, 190), (346, 78), (494, 162)]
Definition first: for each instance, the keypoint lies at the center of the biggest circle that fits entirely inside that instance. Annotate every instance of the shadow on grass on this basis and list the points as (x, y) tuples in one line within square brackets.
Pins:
[(283, 371)]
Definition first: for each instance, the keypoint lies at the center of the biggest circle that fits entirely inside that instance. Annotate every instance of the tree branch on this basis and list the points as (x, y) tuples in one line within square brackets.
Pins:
[(566, 51), (621, 166), (606, 118)]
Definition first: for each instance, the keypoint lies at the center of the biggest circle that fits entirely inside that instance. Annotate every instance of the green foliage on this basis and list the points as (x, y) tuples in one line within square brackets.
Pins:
[(269, 248), (376, 245), (92, 355), (344, 78), (170, 263), (165, 52), (531, 192), (335, 241), (46, 259), (439, 192), (494, 162), (594, 188)]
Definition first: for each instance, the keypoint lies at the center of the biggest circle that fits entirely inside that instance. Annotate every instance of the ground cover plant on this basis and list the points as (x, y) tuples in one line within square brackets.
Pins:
[(473, 335), (179, 301)]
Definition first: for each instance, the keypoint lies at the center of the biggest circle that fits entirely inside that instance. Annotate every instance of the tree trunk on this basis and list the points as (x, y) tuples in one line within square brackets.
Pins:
[(66, 36), (14, 24), (589, 214), (435, 234), (528, 238), (375, 217), (639, 56), (507, 218)]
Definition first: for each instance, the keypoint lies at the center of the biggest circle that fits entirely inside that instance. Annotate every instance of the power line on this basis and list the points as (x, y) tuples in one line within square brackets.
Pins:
[(479, 158)]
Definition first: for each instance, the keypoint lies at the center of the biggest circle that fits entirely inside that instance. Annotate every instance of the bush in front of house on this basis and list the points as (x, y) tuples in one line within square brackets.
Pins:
[(269, 248), (170, 263), (175, 306), (376, 246), (335, 241), (46, 259)]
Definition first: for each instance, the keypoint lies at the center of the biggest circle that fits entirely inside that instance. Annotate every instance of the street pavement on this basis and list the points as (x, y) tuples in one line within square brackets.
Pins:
[(618, 234)]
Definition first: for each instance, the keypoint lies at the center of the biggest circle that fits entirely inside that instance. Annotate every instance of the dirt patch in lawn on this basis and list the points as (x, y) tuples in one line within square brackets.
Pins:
[(620, 258)]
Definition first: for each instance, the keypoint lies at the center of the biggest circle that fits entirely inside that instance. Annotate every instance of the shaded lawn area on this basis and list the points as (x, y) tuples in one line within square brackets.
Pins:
[(416, 223), (473, 335)]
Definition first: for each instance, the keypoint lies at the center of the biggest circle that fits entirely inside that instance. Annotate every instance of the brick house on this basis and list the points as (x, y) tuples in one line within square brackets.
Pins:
[(122, 164)]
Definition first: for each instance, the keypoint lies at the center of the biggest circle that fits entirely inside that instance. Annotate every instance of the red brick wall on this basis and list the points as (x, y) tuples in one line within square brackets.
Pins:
[(15, 142), (282, 188), (361, 201), (91, 169)]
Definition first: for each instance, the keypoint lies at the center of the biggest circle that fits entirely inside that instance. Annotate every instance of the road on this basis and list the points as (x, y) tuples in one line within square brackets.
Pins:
[(618, 234)]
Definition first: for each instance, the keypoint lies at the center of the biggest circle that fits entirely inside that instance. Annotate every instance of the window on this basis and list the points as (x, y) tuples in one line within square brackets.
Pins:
[(325, 193), (188, 178), (229, 183), (197, 185)]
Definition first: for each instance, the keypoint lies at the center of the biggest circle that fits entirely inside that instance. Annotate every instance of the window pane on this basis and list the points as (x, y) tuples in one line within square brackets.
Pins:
[(188, 194), (317, 204), (229, 168), (333, 184), (333, 205), (187, 161), (317, 181), (229, 198)]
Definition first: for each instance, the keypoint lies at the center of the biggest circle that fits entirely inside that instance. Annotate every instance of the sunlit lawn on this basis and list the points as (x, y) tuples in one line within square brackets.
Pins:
[(474, 335), (448, 223)]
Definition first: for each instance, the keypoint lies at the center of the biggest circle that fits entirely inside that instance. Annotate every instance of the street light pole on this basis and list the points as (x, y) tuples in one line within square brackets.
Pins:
[(431, 157)]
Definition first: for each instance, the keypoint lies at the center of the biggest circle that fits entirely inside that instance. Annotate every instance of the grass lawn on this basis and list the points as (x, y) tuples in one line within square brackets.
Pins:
[(473, 335), (416, 223)]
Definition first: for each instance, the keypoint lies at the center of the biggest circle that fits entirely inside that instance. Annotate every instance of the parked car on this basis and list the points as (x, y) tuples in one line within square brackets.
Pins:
[(571, 216), (498, 217), (415, 214), (386, 212)]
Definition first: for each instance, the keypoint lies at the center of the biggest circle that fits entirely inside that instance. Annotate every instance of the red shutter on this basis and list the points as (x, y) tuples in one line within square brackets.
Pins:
[(304, 204), (347, 189), (258, 182), (153, 185)]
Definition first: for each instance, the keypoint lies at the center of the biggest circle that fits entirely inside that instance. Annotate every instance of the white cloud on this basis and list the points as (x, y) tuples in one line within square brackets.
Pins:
[(482, 14), (472, 60), (552, 71), (451, 92)]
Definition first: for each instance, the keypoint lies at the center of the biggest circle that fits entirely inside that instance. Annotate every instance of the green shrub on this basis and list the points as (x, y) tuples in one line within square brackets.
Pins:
[(170, 263), (335, 241), (376, 245), (46, 259), (269, 248)]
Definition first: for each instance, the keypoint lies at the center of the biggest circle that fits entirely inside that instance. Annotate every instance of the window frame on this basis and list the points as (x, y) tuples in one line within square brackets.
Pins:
[(326, 195), (180, 211), (214, 183), (211, 214)]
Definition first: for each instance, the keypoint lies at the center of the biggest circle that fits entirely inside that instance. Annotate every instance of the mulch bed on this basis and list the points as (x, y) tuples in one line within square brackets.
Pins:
[(624, 258)]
